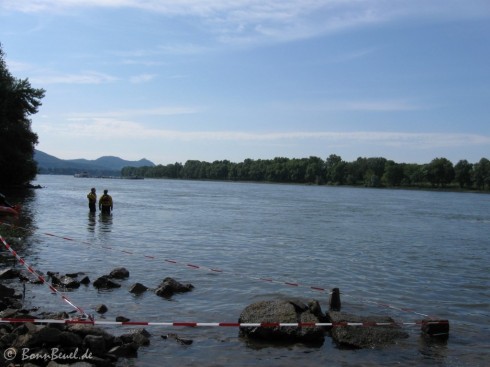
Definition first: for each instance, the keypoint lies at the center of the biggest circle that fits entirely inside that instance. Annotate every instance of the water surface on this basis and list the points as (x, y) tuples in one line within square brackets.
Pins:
[(427, 251)]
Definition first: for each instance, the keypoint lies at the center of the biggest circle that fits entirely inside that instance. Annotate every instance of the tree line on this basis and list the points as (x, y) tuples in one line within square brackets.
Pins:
[(368, 172)]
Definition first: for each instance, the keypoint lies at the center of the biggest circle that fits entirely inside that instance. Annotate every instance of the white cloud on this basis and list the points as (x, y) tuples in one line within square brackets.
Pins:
[(111, 127), (245, 21), (135, 113), (89, 77), (143, 78)]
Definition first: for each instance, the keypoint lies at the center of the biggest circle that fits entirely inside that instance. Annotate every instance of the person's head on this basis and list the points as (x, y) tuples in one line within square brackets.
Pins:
[(92, 189), (106, 191)]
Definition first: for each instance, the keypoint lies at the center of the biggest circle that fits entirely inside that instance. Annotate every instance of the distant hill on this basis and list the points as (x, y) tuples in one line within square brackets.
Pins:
[(105, 166)]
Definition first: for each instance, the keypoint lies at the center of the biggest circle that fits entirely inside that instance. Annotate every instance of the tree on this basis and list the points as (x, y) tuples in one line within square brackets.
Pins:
[(393, 175), (336, 169), (440, 172), (315, 170), (481, 174), (462, 171), (18, 100)]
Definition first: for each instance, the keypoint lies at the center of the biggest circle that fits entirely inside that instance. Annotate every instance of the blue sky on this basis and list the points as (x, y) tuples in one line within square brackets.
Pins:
[(169, 80)]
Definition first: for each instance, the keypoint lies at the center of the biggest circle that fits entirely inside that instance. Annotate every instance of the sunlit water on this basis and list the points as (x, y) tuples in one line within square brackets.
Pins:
[(426, 251)]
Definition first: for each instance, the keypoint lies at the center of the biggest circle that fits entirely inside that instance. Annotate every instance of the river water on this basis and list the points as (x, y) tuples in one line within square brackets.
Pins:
[(417, 250)]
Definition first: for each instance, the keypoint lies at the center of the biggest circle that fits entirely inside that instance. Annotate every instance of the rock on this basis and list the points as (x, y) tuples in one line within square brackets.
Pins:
[(138, 288), (101, 308), (6, 291), (45, 336), (140, 337), (282, 311), (178, 339), (9, 303), (119, 273), (68, 282), (9, 273), (85, 280), (73, 275), (122, 319), (170, 286), (105, 283), (129, 350), (83, 330), (96, 344), (69, 339), (65, 281), (364, 336)]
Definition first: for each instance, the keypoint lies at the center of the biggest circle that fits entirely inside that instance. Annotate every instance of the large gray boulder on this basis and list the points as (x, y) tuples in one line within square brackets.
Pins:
[(364, 336), (283, 311)]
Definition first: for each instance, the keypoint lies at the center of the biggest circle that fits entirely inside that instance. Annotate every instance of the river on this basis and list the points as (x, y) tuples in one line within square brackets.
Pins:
[(425, 251)]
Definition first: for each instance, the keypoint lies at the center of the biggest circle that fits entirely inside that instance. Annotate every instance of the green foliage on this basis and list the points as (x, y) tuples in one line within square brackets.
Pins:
[(481, 174), (440, 172), (18, 100), (462, 171), (370, 172)]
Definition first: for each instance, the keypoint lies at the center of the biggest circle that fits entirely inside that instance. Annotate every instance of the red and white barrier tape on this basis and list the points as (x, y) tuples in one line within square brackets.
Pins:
[(41, 278), (262, 279), (220, 324)]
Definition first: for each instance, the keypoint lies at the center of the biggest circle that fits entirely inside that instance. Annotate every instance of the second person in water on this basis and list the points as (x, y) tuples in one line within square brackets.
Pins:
[(105, 203)]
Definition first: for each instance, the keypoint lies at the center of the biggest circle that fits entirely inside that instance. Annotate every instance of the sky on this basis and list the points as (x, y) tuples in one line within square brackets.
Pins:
[(171, 81)]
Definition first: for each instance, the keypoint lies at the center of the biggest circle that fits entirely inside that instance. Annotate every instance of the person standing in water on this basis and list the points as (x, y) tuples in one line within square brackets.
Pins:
[(92, 200), (105, 203)]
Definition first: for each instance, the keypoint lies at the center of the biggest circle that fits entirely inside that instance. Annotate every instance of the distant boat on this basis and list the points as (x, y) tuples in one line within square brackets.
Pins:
[(82, 175)]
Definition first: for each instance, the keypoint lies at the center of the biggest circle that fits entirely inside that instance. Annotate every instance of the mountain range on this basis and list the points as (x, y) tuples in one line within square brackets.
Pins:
[(107, 165)]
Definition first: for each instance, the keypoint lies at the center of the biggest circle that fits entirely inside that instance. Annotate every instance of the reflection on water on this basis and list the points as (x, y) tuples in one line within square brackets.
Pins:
[(91, 222), (434, 349), (105, 222)]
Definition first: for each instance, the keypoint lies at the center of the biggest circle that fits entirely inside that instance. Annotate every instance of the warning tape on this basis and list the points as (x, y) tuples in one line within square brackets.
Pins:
[(240, 275), (41, 278), (220, 324)]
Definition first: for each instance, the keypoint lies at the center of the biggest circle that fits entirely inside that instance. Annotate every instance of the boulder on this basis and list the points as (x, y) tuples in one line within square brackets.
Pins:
[(45, 336), (65, 281), (96, 344), (283, 311), (101, 309), (9, 273), (170, 286), (140, 337), (85, 280), (364, 336), (138, 288), (129, 350), (119, 273), (84, 329), (105, 283), (178, 339), (68, 282), (6, 291), (69, 339)]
